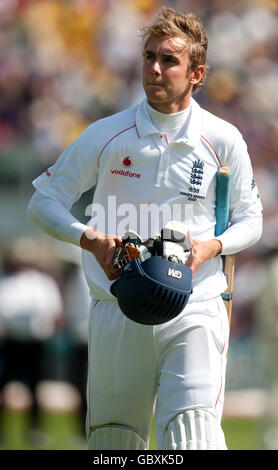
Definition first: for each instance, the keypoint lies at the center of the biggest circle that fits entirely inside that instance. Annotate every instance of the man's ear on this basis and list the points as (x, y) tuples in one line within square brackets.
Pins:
[(197, 75)]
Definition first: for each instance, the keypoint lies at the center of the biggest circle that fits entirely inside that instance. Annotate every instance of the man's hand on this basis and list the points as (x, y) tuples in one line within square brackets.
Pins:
[(202, 251), (103, 247)]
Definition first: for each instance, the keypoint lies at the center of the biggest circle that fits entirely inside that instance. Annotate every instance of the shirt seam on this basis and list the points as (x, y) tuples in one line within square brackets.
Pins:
[(214, 151), (114, 137)]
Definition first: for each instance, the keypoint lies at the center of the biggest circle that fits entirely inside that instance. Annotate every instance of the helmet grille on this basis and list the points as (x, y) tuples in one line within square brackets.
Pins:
[(163, 302), (147, 295)]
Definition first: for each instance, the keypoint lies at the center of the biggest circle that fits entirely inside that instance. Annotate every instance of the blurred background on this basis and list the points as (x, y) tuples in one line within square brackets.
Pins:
[(63, 65)]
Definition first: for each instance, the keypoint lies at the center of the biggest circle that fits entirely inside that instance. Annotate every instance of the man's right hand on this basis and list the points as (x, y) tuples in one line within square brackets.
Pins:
[(103, 247)]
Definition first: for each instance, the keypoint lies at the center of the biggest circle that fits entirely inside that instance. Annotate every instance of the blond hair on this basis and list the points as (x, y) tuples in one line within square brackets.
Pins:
[(169, 24)]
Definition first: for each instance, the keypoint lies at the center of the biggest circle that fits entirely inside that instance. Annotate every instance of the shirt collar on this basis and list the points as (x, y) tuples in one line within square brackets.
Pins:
[(192, 132)]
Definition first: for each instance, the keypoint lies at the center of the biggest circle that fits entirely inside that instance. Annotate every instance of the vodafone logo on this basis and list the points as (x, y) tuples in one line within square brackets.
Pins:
[(126, 173), (127, 161)]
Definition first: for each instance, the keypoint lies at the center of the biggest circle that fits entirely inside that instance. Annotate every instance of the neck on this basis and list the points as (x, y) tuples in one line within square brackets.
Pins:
[(169, 123), (170, 108), (168, 119)]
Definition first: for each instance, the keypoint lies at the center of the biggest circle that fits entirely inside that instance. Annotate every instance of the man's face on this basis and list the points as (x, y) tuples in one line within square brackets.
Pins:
[(167, 79)]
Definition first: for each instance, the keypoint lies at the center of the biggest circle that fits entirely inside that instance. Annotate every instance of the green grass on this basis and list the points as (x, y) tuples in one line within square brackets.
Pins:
[(60, 431), (56, 431), (243, 434)]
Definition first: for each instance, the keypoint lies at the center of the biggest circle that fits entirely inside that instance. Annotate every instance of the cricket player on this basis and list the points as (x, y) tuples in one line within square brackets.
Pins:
[(158, 157)]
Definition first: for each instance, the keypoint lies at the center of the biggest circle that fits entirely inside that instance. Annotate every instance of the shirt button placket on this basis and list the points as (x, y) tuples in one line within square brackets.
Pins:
[(161, 177)]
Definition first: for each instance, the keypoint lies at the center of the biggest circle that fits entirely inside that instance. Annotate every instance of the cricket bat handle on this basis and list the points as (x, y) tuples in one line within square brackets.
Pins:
[(229, 271), (222, 219)]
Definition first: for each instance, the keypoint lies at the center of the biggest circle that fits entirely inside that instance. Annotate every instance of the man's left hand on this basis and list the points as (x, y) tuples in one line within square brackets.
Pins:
[(202, 251)]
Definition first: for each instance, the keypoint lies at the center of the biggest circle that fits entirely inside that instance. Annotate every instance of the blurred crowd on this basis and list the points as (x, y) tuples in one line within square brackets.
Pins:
[(67, 63)]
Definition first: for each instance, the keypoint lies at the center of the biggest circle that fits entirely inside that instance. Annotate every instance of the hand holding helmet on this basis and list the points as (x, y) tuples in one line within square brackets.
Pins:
[(155, 284)]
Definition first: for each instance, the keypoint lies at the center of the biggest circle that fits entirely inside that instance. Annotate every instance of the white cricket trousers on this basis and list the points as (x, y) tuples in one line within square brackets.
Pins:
[(180, 364)]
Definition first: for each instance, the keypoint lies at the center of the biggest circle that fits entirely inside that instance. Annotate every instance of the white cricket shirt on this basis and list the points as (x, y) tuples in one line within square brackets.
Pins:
[(142, 181)]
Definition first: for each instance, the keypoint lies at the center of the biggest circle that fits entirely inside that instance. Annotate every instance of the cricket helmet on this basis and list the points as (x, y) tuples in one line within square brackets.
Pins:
[(154, 291)]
